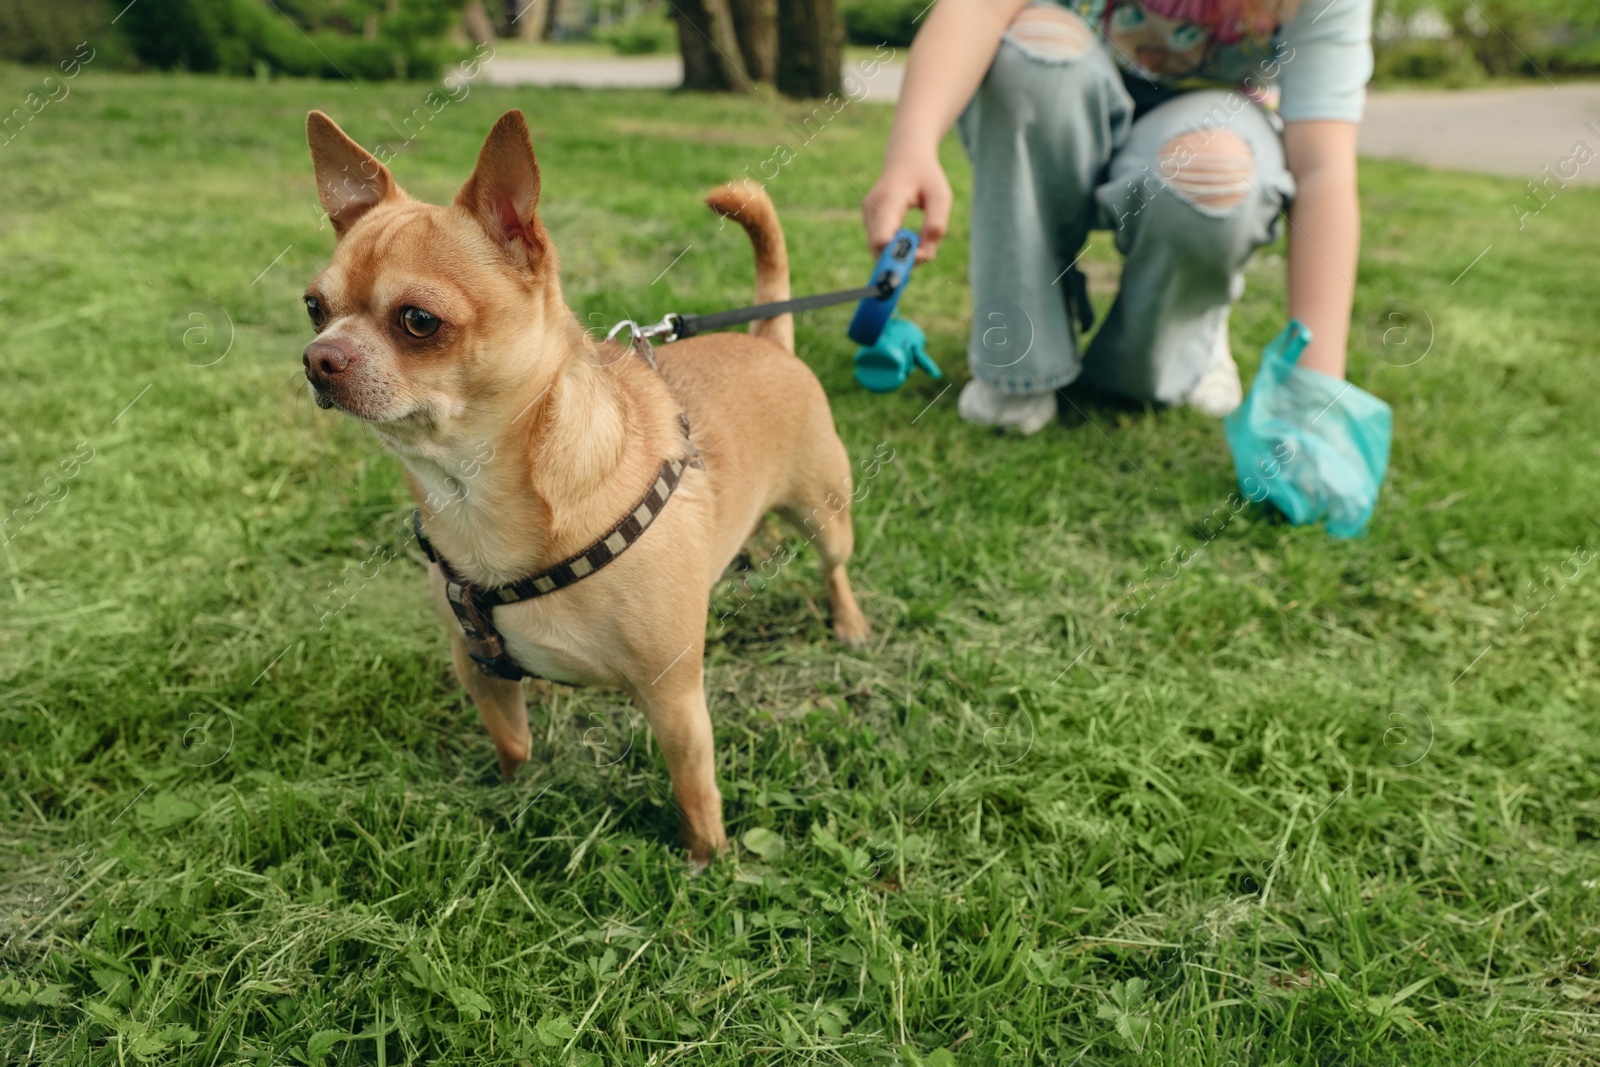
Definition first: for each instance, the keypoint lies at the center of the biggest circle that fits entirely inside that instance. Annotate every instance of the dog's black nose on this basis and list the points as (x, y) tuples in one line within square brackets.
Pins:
[(325, 360)]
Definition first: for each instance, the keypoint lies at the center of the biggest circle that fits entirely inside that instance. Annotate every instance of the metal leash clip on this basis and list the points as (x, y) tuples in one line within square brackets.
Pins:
[(667, 329)]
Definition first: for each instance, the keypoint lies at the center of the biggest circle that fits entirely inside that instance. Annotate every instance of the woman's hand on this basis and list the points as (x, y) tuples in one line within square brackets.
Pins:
[(949, 58), (916, 182)]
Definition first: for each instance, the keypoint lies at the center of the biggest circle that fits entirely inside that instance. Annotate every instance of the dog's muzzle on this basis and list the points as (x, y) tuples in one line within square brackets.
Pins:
[(326, 364)]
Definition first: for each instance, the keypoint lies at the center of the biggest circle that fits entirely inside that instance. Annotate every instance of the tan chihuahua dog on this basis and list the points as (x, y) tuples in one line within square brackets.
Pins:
[(444, 329)]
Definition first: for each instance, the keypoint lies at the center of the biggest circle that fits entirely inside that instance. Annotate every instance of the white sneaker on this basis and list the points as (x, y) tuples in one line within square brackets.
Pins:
[(984, 405), (1219, 390)]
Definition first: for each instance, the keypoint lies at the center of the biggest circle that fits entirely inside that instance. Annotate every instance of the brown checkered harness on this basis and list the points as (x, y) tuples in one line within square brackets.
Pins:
[(474, 604)]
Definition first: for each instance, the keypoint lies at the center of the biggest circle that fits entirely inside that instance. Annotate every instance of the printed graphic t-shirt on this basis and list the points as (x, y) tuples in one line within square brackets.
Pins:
[(1315, 66)]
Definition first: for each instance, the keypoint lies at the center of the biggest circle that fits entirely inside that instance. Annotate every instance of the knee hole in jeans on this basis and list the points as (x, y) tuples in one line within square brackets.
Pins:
[(1212, 169), (1050, 33)]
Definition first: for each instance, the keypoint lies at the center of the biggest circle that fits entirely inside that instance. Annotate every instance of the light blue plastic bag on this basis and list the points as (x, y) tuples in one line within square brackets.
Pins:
[(1315, 446)]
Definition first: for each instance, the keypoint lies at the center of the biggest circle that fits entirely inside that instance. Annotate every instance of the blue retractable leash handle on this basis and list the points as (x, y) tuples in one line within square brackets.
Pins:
[(891, 346), (894, 267)]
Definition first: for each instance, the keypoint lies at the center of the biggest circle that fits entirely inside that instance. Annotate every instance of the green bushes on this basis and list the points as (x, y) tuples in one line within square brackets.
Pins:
[(643, 34), (47, 33), (365, 39), (874, 22), (1446, 63), (1502, 38), (357, 39), (1578, 58)]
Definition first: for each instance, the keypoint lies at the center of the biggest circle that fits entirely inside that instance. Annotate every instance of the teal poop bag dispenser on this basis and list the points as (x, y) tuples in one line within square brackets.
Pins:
[(1315, 447), (884, 365), (891, 347)]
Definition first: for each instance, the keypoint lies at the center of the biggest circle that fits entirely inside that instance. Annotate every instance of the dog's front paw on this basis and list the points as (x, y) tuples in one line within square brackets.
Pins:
[(703, 854), (703, 836), (853, 632)]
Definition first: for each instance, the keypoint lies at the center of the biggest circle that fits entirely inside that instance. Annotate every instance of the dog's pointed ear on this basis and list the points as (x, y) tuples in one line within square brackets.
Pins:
[(504, 191), (350, 181)]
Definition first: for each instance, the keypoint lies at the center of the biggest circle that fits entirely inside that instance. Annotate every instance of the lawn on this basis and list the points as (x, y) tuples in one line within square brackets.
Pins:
[(1298, 802)]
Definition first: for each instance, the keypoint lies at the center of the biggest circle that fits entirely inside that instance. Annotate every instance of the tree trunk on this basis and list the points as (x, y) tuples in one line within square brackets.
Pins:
[(700, 69), (756, 22), (530, 19), (479, 28), (809, 35), (710, 47)]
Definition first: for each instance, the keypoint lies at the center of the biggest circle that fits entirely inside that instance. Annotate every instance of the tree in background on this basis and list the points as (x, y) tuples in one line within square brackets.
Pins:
[(730, 45), (709, 43), (529, 19), (809, 39), (755, 23)]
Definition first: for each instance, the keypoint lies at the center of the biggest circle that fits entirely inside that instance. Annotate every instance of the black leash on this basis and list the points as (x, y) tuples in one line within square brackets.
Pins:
[(675, 327)]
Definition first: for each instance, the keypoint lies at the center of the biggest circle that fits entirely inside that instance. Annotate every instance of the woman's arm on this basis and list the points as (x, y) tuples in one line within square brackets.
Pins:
[(949, 58), (1324, 237)]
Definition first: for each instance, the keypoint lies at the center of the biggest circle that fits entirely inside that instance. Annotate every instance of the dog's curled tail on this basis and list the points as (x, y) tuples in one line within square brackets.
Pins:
[(747, 203)]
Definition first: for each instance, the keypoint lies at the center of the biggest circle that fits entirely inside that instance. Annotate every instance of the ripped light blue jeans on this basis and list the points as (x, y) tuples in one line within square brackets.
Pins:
[(1058, 149)]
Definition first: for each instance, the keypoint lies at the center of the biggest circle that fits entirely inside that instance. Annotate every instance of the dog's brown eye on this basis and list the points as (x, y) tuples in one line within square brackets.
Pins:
[(418, 323), (314, 309)]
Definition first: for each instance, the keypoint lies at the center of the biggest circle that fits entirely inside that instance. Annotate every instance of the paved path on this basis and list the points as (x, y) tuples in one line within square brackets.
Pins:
[(658, 72), (1513, 132), (642, 72)]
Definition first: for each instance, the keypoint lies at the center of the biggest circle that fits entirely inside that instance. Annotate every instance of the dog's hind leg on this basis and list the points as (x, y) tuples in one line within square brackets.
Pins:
[(819, 507), (502, 704), (834, 546)]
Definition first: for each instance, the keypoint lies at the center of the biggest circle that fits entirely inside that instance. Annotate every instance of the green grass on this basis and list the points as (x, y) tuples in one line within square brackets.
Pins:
[(1315, 803)]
